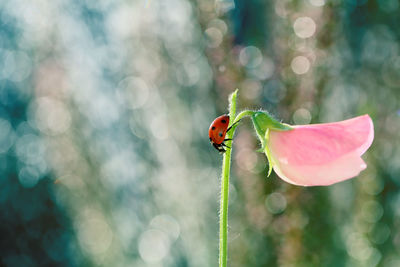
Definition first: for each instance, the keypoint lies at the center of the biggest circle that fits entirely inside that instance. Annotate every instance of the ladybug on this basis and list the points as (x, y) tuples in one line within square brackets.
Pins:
[(217, 132)]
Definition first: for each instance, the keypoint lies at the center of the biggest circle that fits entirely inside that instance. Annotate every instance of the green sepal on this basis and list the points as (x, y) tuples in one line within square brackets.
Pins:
[(268, 154), (260, 133), (263, 122)]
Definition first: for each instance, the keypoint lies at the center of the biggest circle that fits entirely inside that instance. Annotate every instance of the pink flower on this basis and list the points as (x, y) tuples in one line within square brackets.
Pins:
[(320, 154)]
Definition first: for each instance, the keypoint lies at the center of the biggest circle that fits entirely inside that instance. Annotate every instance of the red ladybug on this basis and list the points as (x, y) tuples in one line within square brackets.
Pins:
[(217, 132)]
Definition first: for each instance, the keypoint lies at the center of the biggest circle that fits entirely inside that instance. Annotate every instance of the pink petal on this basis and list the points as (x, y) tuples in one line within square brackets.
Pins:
[(321, 154)]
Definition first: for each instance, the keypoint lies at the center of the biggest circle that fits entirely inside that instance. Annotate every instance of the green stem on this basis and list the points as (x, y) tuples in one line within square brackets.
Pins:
[(226, 166), (262, 123), (223, 216), (244, 113)]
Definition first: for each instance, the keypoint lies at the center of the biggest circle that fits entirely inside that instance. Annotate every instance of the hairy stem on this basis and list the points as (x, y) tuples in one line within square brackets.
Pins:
[(262, 122), (226, 165), (244, 113)]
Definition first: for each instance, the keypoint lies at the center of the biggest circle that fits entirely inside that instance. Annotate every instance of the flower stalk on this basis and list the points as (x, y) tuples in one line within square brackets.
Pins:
[(226, 166)]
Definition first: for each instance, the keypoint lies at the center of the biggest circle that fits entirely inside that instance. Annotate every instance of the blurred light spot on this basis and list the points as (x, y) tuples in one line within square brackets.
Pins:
[(147, 65), (153, 246), (30, 149), (94, 234), (117, 169), (300, 65), (391, 72), (302, 116), (223, 6), (280, 9), (274, 91), (134, 92), (260, 167), (73, 182), (304, 27), (219, 24), (250, 57), (64, 156), (52, 117), (189, 75), (265, 70), (276, 203), (123, 20), (102, 110), (181, 54), (372, 185), (7, 136), (392, 261), (24, 128), (246, 159), (341, 195), (8, 64), (167, 224), (379, 46), (232, 193), (380, 234), (139, 132), (281, 225), (299, 220), (23, 67), (375, 257), (51, 80), (159, 127), (177, 12), (358, 247), (396, 205), (53, 246), (214, 37), (14, 65), (388, 5), (251, 89), (317, 2), (129, 225), (28, 177), (372, 211)]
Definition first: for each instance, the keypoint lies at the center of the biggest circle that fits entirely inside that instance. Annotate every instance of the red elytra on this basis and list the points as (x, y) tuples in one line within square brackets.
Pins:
[(218, 129), (217, 132)]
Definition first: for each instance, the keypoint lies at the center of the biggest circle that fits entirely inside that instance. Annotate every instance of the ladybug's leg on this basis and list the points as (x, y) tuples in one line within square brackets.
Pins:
[(223, 144), (228, 139), (219, 148), (233, 125)]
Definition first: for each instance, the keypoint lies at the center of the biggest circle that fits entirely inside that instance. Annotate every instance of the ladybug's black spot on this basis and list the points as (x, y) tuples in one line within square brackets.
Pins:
[(213, 128), (220, 134), (223, 121)]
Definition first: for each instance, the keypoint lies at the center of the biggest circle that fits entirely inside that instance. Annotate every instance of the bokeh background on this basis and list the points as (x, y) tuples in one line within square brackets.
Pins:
[(104, 114)]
